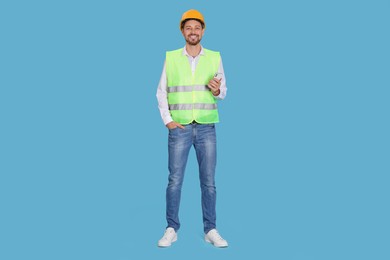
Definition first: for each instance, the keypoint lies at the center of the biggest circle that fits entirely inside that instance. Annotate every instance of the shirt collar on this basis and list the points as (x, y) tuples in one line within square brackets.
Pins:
[(186, 53)]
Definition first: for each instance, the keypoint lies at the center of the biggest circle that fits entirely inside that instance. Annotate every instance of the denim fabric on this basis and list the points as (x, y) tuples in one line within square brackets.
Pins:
[(203, 138)]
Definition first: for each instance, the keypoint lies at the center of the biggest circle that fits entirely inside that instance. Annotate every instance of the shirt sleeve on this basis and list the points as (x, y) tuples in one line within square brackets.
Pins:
[(162, 98), (222, 88)]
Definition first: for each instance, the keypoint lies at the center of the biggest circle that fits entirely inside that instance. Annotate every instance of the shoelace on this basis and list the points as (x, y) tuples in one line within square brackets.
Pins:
[(216, 235), (166, 233)]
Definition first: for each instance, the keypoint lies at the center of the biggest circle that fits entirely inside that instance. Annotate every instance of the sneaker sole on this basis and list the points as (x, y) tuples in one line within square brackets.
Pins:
[(173, 240), (208, 241)]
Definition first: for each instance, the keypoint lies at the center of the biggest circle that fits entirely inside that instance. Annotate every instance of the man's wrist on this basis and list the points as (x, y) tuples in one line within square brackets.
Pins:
[(216, 93)]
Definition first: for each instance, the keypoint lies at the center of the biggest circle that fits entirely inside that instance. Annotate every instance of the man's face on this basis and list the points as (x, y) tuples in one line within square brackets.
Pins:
[(193, 32)]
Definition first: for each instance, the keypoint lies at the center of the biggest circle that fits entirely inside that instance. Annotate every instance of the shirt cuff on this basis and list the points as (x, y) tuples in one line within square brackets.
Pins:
[(167, 120), (219, 95)]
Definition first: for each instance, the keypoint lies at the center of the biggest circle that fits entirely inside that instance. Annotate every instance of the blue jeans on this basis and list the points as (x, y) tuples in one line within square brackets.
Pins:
[(203, 138)]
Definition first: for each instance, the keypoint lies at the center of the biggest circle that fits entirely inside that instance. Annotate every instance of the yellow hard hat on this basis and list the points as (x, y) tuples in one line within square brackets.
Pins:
[(192, 14)]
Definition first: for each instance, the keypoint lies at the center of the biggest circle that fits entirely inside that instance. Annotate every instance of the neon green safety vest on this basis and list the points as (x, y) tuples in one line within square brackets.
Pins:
[(189, 98)]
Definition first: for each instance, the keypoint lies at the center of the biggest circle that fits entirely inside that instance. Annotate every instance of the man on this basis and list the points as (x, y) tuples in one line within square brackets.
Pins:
[(191, 82)]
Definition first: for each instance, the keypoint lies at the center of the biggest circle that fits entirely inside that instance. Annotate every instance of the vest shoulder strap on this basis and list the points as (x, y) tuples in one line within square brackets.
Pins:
[(174, 53)]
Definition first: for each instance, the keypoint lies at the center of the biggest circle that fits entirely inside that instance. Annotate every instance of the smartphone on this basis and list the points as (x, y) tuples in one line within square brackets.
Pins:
[(218, 76)]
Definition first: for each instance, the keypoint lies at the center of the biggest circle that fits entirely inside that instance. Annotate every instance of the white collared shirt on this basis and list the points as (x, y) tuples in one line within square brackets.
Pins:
[(162, 94)]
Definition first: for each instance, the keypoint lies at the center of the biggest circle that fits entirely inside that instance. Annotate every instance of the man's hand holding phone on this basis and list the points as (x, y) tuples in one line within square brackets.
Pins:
[(215, 84)]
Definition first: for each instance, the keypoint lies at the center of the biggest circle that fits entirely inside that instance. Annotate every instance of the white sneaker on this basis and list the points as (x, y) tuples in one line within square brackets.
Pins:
[(215, 238), (169, 237)]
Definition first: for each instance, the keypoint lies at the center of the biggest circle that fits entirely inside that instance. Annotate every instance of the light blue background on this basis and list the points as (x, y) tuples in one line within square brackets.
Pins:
[(303, 170)]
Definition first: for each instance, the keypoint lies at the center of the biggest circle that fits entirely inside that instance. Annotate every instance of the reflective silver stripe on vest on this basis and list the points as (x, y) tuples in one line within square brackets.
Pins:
[(193, 106), (188, 88)]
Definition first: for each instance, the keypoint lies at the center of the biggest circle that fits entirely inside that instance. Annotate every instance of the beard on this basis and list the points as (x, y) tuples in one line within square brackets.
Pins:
[(194, 41)]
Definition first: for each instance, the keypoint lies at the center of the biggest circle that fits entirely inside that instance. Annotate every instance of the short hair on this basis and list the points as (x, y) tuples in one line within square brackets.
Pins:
[(184, 21)]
